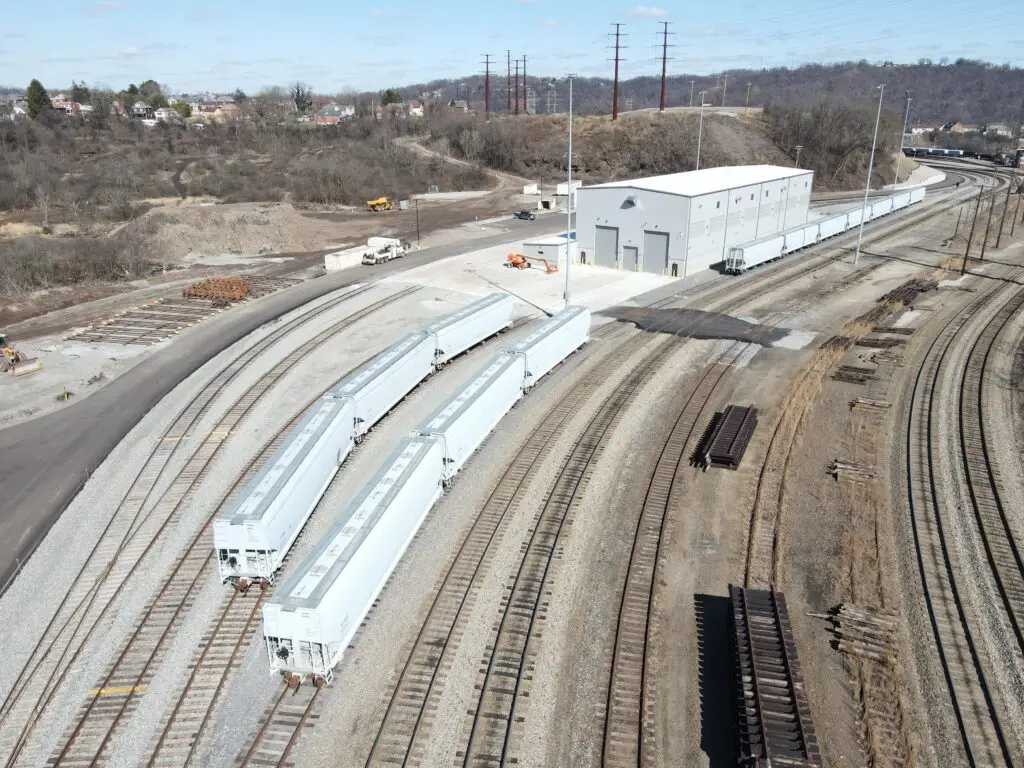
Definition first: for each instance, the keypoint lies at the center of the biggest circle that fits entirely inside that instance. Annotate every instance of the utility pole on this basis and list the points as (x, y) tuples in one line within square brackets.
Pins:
[(988, 224), (525, 108), (517, 86), (746, 104), (1006, 207), (899, 157), (615, 84), (700, 130), (871, 165), (508, 82), (664, 61), (970, 235), (487, 86), (798, 147), (1013, 221), (691, 92), (725, 85)]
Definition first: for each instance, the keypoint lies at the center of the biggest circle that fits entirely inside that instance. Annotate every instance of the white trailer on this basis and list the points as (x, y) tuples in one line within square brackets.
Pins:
[(554, 341), (262, 522), (315, 613), (917, 194), (833, 225), (902, 200), (459, 331), (378, 385), (463, 423)]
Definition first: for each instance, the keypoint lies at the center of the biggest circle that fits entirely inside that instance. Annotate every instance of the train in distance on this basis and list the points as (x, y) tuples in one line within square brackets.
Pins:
[(1001, 158)]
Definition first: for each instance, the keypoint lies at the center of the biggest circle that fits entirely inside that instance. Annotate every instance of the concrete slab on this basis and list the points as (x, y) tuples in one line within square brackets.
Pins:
[(483, 271)]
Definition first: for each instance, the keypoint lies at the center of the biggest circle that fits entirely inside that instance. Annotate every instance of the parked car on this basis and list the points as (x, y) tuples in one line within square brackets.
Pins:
[(525, 215)]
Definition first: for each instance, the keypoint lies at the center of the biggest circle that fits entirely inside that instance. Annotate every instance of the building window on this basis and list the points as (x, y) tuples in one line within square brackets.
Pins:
[(718, 204), (751, 195), (766, 193)]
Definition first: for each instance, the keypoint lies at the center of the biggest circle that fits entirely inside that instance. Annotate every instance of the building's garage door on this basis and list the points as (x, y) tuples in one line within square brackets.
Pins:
[(630, 257), (606, 246), (655, 252)]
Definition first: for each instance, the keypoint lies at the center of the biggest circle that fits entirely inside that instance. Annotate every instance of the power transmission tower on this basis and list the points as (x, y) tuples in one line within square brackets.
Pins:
[(508, 82), (664, 63), (615, 84), (552, 101), (627, 103), (487, 86), (517, 86), (526, 109), (531, 101)]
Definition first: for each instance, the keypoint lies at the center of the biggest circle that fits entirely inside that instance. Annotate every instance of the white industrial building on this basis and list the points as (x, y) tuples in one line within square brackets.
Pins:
[(683, 222)]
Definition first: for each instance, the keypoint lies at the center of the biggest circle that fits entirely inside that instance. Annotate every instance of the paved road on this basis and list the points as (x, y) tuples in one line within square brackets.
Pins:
[(46, 461)]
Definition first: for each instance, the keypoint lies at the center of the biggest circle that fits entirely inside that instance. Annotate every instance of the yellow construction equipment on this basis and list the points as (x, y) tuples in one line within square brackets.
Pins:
[(522, 261), (15, 363), (384, 203)]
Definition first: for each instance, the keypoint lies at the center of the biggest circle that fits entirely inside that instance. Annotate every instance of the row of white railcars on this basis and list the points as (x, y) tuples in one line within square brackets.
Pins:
[(260, 525), (743, 257), (316, 611)]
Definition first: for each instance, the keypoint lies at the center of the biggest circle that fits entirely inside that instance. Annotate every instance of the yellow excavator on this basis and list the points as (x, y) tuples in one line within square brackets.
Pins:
[(13, 362), (384, 203)]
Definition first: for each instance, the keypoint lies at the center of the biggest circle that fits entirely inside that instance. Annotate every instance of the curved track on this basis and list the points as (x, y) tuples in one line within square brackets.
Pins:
[(134, 529), (983, 735)]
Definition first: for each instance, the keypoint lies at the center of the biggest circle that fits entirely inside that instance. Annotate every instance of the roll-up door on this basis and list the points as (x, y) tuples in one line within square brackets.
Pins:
[(606, 246), (655, 252)]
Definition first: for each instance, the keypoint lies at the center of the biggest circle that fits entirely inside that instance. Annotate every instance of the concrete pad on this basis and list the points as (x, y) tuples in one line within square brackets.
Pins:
[(481, 272), (907, 318)]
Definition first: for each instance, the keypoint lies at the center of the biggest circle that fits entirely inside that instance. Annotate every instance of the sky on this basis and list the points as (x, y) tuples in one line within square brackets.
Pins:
[(341, 45)]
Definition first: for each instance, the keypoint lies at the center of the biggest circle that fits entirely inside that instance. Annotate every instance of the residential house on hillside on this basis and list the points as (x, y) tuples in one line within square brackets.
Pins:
[(167, 115), (999, 129), (65, 106), (333, 113), (414, 108), (963, 128), (142, 111), (226, 112), (459, 105)]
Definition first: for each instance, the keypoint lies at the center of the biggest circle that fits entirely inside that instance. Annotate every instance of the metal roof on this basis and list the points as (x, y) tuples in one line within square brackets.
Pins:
[(260, 492), (318, 571), (707, 181), (546, 329), (359, 378), (454, 407), (459, 315)]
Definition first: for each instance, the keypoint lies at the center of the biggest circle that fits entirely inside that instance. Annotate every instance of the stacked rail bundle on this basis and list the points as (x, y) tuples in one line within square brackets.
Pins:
[(262, 522), (220, 290), (728, 437), (743, 257), (316, 611), (773, 717)]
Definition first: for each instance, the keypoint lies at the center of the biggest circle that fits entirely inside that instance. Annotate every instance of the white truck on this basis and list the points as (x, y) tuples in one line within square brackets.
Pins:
[(382, 249)]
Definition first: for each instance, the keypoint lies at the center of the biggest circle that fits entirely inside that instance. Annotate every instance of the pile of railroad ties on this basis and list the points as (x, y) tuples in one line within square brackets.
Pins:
[(314, 614), (222, 291)]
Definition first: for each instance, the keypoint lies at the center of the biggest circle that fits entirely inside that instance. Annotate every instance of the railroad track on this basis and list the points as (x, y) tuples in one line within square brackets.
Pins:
[(775, 716), (141, 520), (984, 481), (507, 666), (127, 678), (280, 727), (983, 736)]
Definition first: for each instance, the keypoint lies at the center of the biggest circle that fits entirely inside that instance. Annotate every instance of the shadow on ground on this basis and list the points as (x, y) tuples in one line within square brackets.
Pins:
[(717, 738), (697, 324)]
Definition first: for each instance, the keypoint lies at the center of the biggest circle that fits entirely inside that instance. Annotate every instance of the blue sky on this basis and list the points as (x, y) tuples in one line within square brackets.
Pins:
[(224, 44)]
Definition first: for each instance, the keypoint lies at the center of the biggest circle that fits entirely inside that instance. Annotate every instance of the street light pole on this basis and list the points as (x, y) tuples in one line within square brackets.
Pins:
[(700, 129), (798, 147), (871, 165), (899, 157), (568, 204)]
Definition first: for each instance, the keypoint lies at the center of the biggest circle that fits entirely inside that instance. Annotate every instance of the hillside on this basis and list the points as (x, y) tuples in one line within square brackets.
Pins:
[(966, 90), (836, 141)]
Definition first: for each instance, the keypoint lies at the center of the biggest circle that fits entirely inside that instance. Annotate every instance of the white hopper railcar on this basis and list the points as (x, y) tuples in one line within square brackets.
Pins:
[(261, 524), (554, 341), (464, 422), (461, 330), (315, 612)]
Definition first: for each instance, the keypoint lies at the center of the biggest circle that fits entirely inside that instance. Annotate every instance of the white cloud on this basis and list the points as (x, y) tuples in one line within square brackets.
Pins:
[(97, 9), (649, 10), (377, 12), (131, 50), (550, 24), (527, 2), (707, 32)]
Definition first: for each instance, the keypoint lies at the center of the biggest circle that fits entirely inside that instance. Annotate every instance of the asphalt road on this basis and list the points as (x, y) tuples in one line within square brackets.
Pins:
[(46, 461)]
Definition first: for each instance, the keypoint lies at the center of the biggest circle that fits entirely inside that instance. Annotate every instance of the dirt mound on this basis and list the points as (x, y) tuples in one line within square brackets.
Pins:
[(243, 229)]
